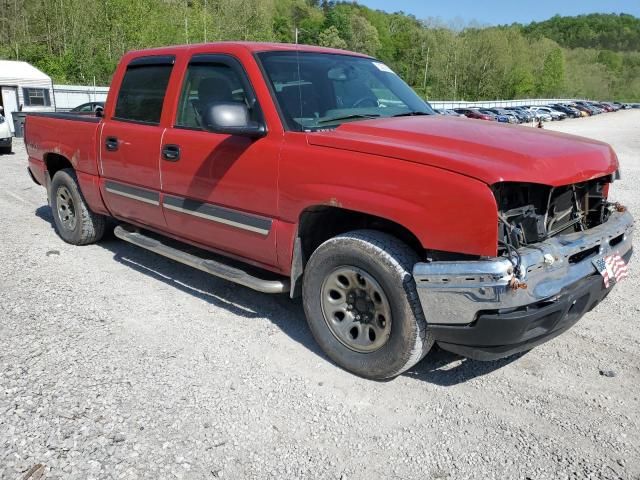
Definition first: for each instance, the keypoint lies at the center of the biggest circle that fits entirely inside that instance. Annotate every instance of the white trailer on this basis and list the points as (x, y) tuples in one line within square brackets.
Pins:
[(24, 88)]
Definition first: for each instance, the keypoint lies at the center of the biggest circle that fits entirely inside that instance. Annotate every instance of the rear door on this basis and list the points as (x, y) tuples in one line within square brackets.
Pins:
[(130, 142), (220, 190)]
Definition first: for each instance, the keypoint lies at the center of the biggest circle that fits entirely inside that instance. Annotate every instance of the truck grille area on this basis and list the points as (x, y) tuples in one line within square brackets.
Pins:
[(530, 213)]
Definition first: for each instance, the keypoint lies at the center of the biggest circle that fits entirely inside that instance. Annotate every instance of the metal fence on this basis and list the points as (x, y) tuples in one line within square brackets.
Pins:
[(499, 103), (70, 96)]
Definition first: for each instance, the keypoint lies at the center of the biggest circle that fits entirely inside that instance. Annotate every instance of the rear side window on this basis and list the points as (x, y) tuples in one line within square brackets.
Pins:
[(142, 93)]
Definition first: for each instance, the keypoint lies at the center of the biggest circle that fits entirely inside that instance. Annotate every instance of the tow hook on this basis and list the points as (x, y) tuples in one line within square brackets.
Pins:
[(619, 207), (515, 284)]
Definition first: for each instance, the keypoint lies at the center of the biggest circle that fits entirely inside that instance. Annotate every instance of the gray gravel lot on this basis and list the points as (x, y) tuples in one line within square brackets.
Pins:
[(116, 363)]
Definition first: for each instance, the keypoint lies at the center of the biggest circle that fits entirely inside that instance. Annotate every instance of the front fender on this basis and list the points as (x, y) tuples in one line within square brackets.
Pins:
[(444, 210)]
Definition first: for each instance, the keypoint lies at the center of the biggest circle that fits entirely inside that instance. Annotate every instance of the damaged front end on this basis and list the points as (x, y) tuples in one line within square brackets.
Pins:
[(529, 213), (542, 279)]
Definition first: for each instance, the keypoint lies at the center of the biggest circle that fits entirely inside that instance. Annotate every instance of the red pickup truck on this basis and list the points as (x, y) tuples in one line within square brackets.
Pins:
[(320, 173)]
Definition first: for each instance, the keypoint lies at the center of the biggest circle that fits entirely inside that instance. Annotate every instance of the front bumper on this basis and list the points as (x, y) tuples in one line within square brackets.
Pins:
[(472, 309)]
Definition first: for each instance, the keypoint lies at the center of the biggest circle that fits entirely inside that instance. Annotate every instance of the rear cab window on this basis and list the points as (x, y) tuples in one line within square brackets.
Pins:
[(143, 90)]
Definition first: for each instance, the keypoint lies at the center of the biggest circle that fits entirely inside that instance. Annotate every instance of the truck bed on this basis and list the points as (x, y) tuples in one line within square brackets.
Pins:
[(73, 136)]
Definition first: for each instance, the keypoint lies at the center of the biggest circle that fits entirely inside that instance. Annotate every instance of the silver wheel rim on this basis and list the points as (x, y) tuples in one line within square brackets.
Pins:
[(66, 208), (356, 309)]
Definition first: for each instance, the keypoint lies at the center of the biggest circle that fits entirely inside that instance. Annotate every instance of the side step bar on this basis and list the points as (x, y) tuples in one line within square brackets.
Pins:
[(213, 267)]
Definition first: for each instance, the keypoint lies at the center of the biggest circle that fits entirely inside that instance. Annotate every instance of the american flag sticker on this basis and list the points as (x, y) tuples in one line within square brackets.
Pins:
[(612, 268)]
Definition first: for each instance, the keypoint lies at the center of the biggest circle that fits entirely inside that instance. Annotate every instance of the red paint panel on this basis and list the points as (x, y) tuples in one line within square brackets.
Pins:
[(134, 164), (232, 172), (444, 210), (90, 187), (487, 151), (38, 170), (76, 141)]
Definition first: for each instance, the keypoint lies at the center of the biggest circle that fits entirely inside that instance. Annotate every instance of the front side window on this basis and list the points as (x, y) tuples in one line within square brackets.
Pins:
[(142, 93), (322, 90), (206, 84), (36, 97)]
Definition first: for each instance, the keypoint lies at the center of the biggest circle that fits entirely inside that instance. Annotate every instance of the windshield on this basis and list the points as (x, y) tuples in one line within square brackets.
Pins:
[(322, 90)]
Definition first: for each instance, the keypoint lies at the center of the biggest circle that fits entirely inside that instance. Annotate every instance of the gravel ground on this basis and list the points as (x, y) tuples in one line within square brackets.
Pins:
[(117, 363)]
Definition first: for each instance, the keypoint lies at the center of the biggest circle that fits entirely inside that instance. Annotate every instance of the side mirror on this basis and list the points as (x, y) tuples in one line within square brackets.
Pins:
[(231, 119)]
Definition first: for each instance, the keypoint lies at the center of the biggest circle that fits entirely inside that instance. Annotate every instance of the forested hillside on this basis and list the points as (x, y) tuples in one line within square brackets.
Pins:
[(595, 56)]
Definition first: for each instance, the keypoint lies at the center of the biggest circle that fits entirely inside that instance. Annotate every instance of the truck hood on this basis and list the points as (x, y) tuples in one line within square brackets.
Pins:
[(487, 151)]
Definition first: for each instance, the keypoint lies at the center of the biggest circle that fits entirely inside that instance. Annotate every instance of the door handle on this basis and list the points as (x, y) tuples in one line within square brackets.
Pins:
[(171, 153), (111, 144)]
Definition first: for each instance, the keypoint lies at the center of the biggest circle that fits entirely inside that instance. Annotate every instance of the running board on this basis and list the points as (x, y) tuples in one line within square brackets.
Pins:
[(213, 267)]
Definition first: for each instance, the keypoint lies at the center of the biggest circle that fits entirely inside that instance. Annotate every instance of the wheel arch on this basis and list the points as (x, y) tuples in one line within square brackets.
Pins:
[(55, 162), (319, 223), (89, 184)]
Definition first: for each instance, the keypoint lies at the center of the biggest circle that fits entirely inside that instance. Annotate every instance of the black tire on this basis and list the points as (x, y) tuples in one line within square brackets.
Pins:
[(5, 150), (88, 227), (389, 262)]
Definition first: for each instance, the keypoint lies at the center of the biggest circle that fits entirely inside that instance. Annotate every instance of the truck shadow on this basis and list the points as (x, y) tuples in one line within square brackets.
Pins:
[(447, 369), (439, 367)]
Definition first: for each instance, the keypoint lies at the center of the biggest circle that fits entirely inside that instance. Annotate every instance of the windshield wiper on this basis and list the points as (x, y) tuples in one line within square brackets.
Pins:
[(410, 114), (348, 117)]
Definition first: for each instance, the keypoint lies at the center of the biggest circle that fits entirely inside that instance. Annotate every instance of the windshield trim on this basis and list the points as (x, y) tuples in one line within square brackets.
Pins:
[(265, 76)]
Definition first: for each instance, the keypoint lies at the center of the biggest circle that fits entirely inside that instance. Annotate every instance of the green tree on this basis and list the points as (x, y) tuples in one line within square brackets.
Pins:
[(364, 36), (330, 37), (552, 78)]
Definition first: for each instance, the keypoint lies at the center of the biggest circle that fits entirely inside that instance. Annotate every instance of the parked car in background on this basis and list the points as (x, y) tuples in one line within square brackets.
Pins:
[(496, 116), (603, 106), (569, 112), (584, 110), (540, 114), (473, 113), (555, 115), (89, 108), (612, 105), (449, 112), (501, 112), (525, 114), (575, 109), (6, 139), (595, 110)]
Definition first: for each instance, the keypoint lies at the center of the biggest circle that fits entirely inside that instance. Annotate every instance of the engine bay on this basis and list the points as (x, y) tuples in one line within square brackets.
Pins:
[(529, 213)]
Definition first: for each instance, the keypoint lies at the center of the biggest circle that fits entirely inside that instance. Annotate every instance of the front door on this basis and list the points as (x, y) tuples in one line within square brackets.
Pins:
[(130, 143), (219, 190)]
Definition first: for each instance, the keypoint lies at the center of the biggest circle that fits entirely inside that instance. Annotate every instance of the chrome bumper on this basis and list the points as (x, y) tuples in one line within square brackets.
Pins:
[(454, 292)]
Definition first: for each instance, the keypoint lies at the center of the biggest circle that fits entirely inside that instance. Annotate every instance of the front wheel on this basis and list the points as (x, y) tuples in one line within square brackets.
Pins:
[(361, 304)]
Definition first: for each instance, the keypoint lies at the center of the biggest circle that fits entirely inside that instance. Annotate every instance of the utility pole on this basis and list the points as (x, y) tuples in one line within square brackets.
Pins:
[(186, 22), (204, 21), (426, 69), (296, 35)]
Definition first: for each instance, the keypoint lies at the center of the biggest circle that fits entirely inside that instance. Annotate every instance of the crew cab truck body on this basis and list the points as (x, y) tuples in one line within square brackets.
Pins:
[(319, 172)]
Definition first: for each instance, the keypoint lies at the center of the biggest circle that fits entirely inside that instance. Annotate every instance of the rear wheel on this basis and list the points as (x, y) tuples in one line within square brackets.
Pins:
[(362, 306), (74, 221)]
